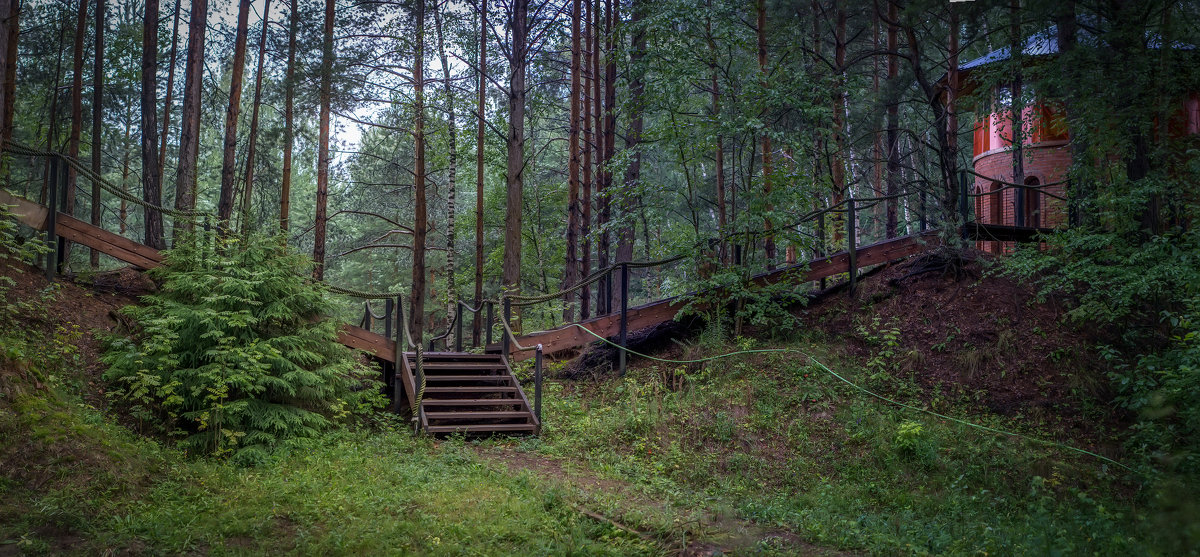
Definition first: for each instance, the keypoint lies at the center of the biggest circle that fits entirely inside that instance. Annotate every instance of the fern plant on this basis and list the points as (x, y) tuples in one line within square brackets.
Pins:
[(231, 353)]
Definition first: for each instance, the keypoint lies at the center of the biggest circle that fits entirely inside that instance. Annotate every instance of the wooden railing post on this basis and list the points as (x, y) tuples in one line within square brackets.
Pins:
[(388, 308), (624, 315), (964, 208), (506, 317), (537, 384), (458, 318), (490, 320), (397, 378), (852, 250), (52, 221)]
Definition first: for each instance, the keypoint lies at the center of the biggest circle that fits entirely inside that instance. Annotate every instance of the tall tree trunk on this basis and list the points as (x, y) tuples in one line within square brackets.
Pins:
[(633, 140), (1017, 108), (719, 155), (479, 145), (877, 157), (516, 147), (151, 188), (52, 131), (571, 272), (10, 30), (76, 115), (166, 125), (97, 118), (189, 120), (252, 140), (323, 145), (420, 218), (612, 15), (893, 126), (837, 171), (761, 28), (952, 93), (452, 171), (289, 132), (121, 217), (229, 159), (591, 118)]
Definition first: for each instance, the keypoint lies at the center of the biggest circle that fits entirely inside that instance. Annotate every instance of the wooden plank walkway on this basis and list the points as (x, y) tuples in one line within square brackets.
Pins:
[(648, 315)]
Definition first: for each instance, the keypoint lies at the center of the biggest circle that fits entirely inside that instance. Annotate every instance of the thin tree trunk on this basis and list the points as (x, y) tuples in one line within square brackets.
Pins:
[(719, 155), (612, 15), (637, 87), (52, 131), (97, 111), (516, 148), (837, 172), (323, 145), (125, 171), (248, 193), (877, 156), (761, 9), (571, 272), (420, 217), (229, 158), (76, 115), (10, 32), (151, 188), (479, 145), (1017, 108), (952, 93), (452, 171), (591, 173), (189, 120), (166, 125), (893, 127), (289, 132)]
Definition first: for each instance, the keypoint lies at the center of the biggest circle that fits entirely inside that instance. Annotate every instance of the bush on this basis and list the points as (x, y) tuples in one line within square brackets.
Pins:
[(231, 353)]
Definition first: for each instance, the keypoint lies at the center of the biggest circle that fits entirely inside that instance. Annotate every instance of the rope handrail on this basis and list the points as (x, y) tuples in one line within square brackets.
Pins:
[(18, 148)]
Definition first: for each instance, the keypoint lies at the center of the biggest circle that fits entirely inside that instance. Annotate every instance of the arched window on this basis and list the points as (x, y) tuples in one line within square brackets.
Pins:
[(996, 202), (1033, 204)]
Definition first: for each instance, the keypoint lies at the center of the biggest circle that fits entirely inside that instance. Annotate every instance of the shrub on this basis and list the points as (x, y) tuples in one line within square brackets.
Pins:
[(231, 353)]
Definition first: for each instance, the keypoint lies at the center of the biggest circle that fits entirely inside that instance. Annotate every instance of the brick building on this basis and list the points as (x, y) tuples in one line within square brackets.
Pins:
[(1045, 144)]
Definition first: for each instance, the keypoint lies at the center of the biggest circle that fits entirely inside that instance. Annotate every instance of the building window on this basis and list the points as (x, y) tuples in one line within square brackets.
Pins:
[(1033, 204)]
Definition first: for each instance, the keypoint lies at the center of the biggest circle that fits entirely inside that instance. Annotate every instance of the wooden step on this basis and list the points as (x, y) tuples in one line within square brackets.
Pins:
[(454, 356), (480, 415), (480, 428), (472, 401), (435, 390), (491, 378), (458, 365)]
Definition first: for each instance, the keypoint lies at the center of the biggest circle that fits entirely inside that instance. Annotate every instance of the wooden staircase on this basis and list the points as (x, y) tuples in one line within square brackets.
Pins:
[(468, 393)]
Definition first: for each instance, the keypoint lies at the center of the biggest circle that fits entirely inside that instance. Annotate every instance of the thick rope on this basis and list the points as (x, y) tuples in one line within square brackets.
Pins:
[(835, 374)]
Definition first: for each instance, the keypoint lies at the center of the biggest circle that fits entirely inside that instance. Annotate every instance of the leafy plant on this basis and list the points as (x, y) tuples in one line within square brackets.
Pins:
[(231, 352)]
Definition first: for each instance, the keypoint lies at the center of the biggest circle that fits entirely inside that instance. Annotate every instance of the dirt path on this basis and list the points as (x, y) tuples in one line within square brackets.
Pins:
[(686, 532)]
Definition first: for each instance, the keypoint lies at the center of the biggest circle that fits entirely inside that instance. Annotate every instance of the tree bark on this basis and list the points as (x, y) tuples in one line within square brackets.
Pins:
[(151, 188), (166, 125), (837, 171), (761, 28), (420, 218), (893, 127), (10, 31), (323, 145), (592, 173), (289, 132), (571, 272), (452, 171), (229, 158), (76, 115), (612, 15), (97, 118), (189, 120), (719, 155), (252, 140), (476, 329), (1017, 109), (516, 147), (633, 140)]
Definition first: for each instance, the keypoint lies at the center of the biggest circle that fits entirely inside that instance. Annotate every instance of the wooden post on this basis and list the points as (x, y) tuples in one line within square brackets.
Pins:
[(458, 318), (624, 315), (537, 383), (964, 207), (397, 387), (388, 308), (52, 221), (490, 320), (821, 241), (504, 337), (852, 248)]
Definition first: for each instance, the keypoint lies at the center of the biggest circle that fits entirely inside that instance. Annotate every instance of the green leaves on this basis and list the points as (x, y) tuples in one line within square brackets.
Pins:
[(231, 353)]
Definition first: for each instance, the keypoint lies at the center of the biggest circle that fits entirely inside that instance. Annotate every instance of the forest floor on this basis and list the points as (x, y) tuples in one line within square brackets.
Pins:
[(759, 454)]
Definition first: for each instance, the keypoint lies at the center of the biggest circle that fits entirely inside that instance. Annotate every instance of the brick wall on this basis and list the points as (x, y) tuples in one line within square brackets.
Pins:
[(1046, 163)]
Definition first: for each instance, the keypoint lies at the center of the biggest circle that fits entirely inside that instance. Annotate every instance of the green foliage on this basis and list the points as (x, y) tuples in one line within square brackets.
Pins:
[(230, 354), (759, 306)]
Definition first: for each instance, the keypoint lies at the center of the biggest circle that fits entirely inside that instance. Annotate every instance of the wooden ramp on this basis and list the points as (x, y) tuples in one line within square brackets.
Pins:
[(569, 336)]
